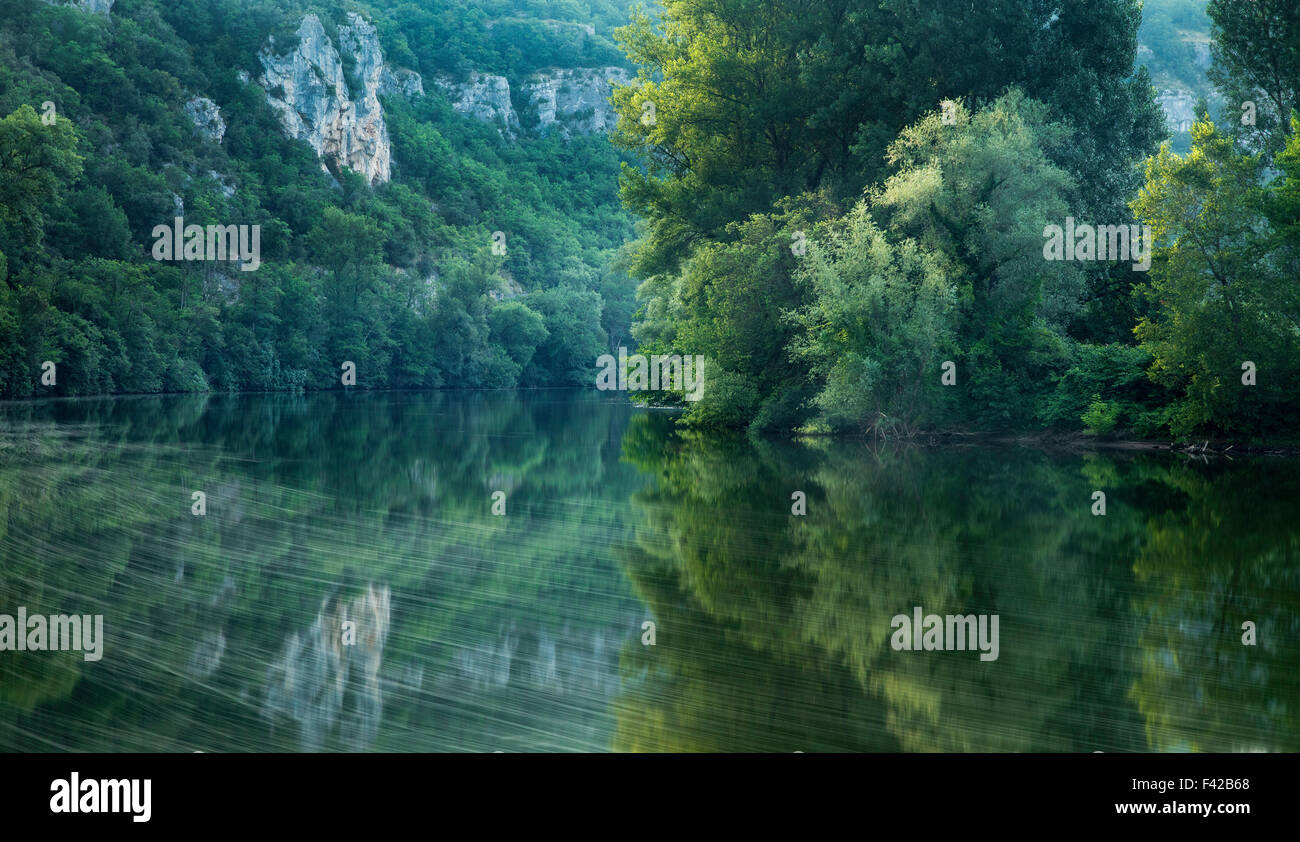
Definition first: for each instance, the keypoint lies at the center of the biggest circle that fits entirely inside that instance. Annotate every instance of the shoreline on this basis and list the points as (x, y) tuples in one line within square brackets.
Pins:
[(1078, 441), (1034, 438)]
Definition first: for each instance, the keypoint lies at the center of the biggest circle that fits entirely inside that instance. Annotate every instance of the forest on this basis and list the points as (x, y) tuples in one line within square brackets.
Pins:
[(399, 278), (841, 205), (845, 207)]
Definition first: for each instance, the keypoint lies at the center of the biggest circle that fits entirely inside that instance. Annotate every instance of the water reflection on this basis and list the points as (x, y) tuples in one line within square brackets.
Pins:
[(338, 656), (1119, 632), (230, 630), (348, 587)]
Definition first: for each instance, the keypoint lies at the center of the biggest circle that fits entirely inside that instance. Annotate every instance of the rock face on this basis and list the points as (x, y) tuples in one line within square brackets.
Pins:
[(567, 100), (207, 117), (310, 90), (404, 82), (337, 111), (1177, 94), (1179, 107), (484, 97), (575, 100), (99, 7)]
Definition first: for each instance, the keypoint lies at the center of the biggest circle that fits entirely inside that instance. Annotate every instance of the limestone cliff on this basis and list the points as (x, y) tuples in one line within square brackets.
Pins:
[(99, 7), (328, 95), (574, 100), (568, 100), (483, 97), (404, 82), (317, 101)]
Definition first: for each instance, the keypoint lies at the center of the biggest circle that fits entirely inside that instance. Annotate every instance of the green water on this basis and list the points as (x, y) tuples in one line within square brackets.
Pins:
[(472, 631)]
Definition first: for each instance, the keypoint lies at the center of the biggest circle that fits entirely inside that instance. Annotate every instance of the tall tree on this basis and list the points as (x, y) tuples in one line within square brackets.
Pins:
[(741, 102), (958, 268), (1224, 310), (1257, 61)]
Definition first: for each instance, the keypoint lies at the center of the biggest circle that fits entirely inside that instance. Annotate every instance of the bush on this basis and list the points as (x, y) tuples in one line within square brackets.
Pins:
[(1100, 417), (1117, 371), (729, 400), (184, 376)]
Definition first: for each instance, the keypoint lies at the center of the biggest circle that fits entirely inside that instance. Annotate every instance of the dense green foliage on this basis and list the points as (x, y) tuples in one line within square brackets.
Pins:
[(843, 208), (513, 37), (399, 278), (1225, 280), (1257, 59), (847, 211)]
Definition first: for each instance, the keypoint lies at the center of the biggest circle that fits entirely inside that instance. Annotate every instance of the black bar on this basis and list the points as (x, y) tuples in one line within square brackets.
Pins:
[(1049, 791)]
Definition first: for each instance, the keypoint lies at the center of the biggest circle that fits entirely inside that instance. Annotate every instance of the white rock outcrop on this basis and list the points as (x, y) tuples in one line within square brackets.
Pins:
[(576, 100), (401, 82), (99, 7), (206, 117), (483, 97), (337, 110), (317, 101), (571, 100)]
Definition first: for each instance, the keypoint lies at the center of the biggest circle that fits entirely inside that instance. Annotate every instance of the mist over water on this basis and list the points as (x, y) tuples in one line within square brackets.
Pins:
[(523, 631)]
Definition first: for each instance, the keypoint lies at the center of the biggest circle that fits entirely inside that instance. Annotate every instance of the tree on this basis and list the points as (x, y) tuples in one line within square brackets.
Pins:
[(518, 330), (574, 338), (882, 317), (1256, 53), (739, 103), (947, 255), (746, 108), (1221, 300), (742, 102), (348, 246), (36, 162)]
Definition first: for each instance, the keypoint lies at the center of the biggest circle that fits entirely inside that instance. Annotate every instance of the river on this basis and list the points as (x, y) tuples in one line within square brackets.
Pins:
[(557, 570)]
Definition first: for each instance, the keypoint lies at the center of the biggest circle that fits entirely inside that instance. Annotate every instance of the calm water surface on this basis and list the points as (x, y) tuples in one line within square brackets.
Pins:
[(471, 631)]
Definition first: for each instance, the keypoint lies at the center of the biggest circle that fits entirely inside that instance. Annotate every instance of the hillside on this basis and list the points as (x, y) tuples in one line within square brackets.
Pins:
[(1174, 44), (435, 196)]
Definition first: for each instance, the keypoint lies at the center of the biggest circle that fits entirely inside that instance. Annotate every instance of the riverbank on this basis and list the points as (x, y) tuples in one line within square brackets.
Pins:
[(1208, 447), (948, 438)]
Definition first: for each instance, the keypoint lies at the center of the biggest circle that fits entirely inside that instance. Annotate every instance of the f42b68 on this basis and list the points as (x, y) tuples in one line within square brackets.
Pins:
[(1225, 783)]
